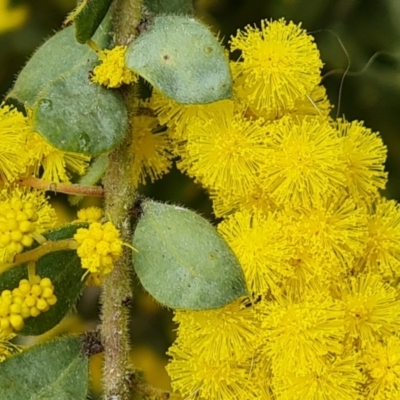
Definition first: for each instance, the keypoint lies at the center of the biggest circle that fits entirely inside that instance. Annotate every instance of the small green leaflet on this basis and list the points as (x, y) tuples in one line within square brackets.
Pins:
[(54, 370), (182, 261), (182, 59)]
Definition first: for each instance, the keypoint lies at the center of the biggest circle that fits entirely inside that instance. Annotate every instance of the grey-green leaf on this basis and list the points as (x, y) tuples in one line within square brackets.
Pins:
[(54, 370), (54, 59), (89, 17), (182, 261), (65, 271), (70, 112), (182, 59)]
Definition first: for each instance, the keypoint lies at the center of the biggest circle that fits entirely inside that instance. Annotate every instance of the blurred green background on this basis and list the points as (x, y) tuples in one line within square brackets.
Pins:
[(369, 30)]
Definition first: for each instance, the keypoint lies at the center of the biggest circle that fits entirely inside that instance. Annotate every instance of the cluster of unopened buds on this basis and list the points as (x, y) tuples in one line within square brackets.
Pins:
[(99, 247), (31, 298), (17, 223)]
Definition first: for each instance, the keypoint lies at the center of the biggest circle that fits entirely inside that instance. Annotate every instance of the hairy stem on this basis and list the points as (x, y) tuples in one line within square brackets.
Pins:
[(119, 197)]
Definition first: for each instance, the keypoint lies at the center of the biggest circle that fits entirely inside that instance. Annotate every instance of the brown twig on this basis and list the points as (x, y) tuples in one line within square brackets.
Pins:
[(67, 188)]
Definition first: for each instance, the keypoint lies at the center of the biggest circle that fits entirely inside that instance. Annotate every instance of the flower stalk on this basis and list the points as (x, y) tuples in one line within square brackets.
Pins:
[(67, 188)]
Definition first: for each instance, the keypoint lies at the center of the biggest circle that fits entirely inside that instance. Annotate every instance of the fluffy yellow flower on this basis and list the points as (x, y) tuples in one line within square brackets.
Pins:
[(24, 213), (55, 162), (334, 377), (381, 362), (304, 161), (179, 116), (280, 64), (112, 71), (225, 151), (14, 129), (372, 308), (382, 254), (297, 334), (212, 356), (152, 152), (364, 155), (261, 246), (315, 103), (333, 231), (198, 376), (226, 333), (226, 202), (6, 347)]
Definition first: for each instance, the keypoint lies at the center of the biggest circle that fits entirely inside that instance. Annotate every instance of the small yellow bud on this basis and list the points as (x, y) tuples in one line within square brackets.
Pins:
[(15, 308), (42, 305), (36, 290), (10, 215), (45, 282), (4, 240), (24, 286), (18, 299), (30, 214), (16, 235), (27, 240), (34, 312), (12, 224), (17, 204), (25, 226), (4, 309), (30, 300), (16, 322), (52, 300), (47, 292), (6, 296), (34, 217), (25, 311), (21, 216), (4, 324)]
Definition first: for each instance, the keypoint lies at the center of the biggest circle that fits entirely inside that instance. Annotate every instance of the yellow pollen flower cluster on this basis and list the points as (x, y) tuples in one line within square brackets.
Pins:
[(14, 157), (99, 247), (382, 364), (29, 299), (298, 193), (17, 223), (90, 214), (6, 347), (24, 152), (54, 162), (94, 279), (24, 213), (281, 64), (151, 150), (112, 71)]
